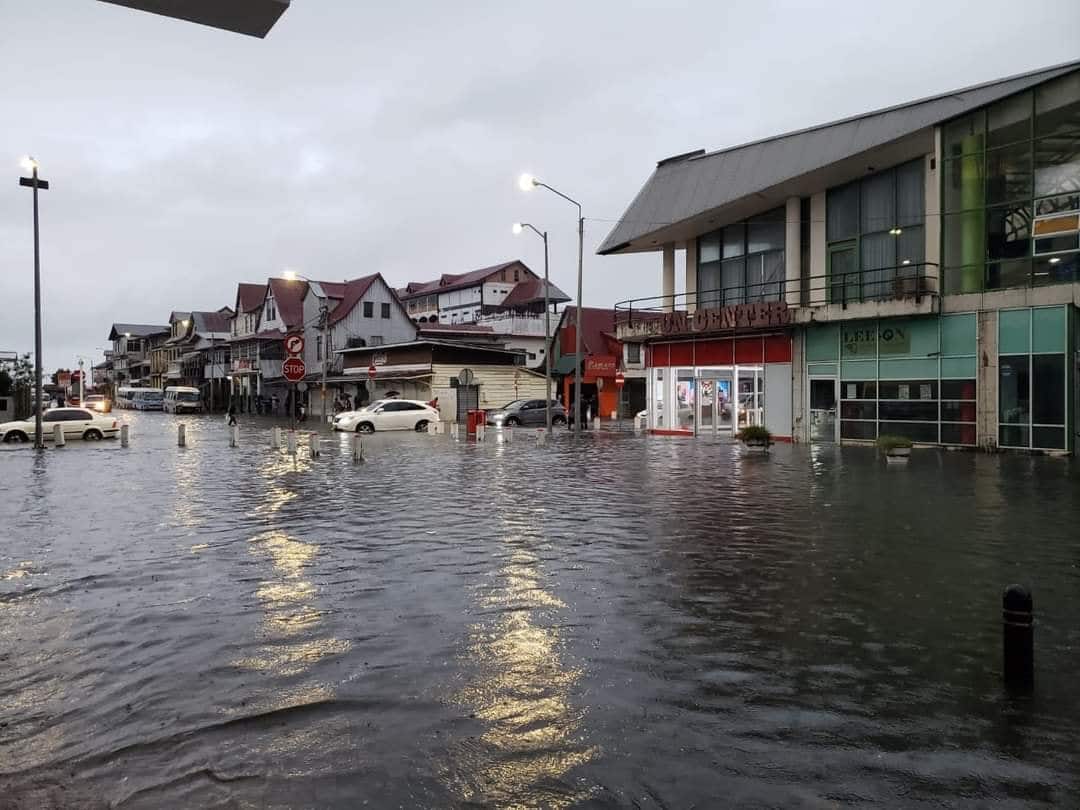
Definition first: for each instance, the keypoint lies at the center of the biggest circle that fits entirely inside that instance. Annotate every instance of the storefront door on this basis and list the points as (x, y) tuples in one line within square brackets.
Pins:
[(715, 402), (823, 422)]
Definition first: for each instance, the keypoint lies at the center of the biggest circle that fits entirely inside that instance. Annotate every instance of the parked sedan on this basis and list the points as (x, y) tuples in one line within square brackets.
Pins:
[(388, 414), (78, 423), (526, 412)]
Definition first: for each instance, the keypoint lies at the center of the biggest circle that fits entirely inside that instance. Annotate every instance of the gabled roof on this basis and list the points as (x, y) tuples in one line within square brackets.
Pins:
[(136, 330), (249, 297), (691, 185), (351, 293), (288, 298), (532, 290), (212, 322), (457, 281), (597, 325)]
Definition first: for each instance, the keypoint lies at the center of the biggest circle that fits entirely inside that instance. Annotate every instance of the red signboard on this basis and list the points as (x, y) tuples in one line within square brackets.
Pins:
[(620, 379), (372, 371), (293, 369), (601, 365)]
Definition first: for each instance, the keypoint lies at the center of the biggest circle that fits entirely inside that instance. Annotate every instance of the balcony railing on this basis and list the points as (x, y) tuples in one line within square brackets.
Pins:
[(903, 282)]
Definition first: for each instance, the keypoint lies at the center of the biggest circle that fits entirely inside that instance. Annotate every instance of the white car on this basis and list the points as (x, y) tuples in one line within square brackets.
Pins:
[(388, 414), (79, 423)]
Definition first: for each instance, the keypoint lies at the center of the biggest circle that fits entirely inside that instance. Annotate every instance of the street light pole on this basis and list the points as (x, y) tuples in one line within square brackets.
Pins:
[(527, 182), (518, 227), (36, 183)]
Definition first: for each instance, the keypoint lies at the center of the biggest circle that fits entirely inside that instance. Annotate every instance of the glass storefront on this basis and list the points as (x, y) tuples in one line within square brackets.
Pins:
[(1033, 372), (913, 377)]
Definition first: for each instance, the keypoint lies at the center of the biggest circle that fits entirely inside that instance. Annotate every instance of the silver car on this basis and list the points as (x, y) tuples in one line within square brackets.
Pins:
[(527, 413)]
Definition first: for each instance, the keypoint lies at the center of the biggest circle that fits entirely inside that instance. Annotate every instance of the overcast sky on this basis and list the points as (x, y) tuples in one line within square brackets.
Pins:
[(362, 137)]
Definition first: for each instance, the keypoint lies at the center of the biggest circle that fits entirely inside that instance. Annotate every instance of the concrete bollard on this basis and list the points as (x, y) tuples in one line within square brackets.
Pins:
[(454, 434), (508, 434), (313, 444), (292, 442), (1018, 635), (58, 435), (234, 436), (357, 448), (124, 435), (541, 437), (596, 423), (614, 416), (181, 435), (479, 433), (275, 438)]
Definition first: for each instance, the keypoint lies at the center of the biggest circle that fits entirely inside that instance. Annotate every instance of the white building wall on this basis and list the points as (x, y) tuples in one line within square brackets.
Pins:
[(398, 328)]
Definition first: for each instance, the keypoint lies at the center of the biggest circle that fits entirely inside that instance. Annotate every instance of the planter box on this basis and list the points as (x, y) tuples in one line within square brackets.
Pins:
[(898, 455)]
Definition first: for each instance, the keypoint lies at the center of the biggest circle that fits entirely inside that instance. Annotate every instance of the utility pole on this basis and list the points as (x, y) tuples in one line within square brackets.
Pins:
[(324, 317), (36, 183)]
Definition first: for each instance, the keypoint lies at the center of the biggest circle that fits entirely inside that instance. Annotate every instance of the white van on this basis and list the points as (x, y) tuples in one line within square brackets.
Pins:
[(182, 399)]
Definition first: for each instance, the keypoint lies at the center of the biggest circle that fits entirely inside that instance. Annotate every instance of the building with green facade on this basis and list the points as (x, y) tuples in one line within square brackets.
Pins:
[(911, 271)]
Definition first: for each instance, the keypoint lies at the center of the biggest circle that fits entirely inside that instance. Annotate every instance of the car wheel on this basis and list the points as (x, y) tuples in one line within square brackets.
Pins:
[(365, 427), (558, 421), (421, 426), (93, 435), (513, 421), (15, 437)]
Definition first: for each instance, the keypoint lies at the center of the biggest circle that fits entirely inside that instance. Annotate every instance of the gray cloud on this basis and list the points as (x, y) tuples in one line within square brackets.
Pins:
[(358, 138)]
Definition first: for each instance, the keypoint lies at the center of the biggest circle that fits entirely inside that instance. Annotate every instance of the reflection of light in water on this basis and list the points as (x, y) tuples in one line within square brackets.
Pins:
[(522, 693), (287, 601), (186, 474)]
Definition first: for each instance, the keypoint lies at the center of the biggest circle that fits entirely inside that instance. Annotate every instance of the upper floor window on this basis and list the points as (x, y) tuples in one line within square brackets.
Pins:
[(742, 262), (876, 234), (385, 310), (369, 309), (1011, 191)]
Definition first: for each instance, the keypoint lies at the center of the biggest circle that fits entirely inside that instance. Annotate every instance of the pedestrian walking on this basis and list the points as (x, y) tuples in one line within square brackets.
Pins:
[(232, 415)]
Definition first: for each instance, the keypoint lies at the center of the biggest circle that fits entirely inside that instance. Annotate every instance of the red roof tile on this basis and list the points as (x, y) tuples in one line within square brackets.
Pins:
[(596, 323), (289, 297), (532, 290), (351, 293), (456, 281), (249, 297)]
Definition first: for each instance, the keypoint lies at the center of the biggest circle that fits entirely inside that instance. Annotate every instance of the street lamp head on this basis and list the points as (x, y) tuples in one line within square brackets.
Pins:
[(28, 163), (184, 323), (518, 228), (128, 334), (527, 182), (290, 275)]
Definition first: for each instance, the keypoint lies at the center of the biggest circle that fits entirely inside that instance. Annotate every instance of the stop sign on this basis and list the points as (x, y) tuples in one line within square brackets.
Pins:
[(620, 379), (293, 369), (371, 371)]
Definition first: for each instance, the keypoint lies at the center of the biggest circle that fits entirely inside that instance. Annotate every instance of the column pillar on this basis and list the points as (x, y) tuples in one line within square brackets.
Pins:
[(691, 275), (792, 250), (668, 279), (818, 284), (986, 385)]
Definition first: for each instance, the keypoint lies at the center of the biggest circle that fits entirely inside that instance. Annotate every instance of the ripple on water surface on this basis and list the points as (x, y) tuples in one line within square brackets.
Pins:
[(620, 621)]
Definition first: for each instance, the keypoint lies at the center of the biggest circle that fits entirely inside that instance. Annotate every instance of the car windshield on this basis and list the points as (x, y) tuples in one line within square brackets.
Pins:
[(186, 396), (513, 406)]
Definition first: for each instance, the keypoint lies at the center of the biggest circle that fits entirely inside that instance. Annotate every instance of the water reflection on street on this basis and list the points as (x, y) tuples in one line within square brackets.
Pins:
[(617, 622)]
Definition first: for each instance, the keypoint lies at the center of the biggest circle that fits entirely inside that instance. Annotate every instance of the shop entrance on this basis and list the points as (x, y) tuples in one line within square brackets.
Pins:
[(715, 403), (823, 422)]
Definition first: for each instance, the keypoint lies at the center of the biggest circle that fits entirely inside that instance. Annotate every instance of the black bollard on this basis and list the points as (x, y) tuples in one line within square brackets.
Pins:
[(1018, 635)]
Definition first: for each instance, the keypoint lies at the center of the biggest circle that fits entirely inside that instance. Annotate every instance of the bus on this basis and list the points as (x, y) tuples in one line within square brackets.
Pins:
[(148, 399), (125, 397), (182, 399)]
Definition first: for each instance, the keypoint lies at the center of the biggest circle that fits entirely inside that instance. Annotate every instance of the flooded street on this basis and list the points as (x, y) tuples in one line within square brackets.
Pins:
[(615, 622)]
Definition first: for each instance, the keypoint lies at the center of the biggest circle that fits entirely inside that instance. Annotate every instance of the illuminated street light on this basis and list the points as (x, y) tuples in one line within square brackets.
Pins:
[(527, 182), (518, 228)]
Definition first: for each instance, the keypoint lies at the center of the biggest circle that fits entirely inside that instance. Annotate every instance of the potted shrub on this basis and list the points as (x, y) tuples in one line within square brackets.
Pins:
[(896, 448), (755, 437)]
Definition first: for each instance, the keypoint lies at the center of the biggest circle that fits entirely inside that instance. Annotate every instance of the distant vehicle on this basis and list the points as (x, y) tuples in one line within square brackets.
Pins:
[(181, 399), (527, 413), (98, 402), (148, 399), (388, 414), (125, 397), (79, 423)]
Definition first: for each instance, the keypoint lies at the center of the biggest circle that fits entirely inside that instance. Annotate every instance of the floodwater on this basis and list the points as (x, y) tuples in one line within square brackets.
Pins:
[(614, 622)]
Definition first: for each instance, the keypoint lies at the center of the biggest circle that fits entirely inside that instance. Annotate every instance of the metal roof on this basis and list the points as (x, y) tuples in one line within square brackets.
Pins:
[(696, 183)]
